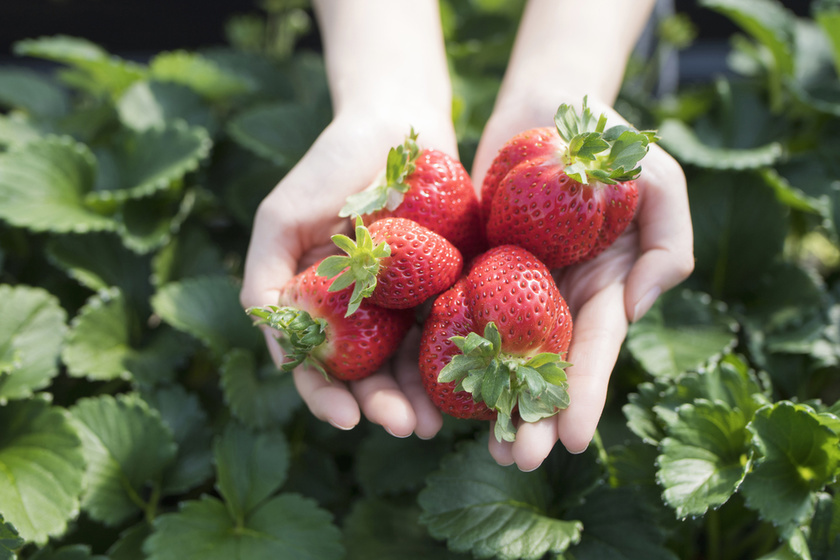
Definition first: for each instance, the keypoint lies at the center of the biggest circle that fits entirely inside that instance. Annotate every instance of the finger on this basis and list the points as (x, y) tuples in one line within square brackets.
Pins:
[(501, 451), (383, 402), (328, 400), (599, 330), (665, 234), (407, 373), (534, 441)]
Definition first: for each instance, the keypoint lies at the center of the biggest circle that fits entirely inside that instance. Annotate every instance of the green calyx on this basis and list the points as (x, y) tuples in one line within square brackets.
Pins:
[(299, 334), (359, 267), (536, 386), (599, 154), (389, 193)]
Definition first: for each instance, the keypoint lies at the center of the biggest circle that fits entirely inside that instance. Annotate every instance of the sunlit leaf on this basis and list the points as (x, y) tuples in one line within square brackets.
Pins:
[(41, 470), (44, 185), (797, 457), (704, 458), (32, 330)]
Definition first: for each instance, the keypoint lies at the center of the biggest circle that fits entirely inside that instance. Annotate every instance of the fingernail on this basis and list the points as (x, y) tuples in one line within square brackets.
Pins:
[(644, 304), (577, 452), (395, 435), (345, 428), (530, 470)]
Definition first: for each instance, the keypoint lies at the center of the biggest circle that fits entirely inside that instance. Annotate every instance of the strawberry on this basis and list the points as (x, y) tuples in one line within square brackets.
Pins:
[(395, 262), (567, 193), (448, 318), (313, 328), (429, 187), (510, 327)]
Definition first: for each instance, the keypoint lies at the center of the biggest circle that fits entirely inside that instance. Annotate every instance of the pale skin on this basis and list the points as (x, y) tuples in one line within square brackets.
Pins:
[(387, 72)]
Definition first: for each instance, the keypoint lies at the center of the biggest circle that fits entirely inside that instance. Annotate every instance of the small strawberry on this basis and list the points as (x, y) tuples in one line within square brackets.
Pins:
[(395, 262), (510, 326), (313, 328), (429, 187), (565, 194)]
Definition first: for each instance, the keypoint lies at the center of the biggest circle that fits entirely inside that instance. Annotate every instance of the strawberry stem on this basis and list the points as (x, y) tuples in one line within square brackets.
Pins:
[(536, 385), (299, 334), (597, 154), (388, 193), (358, 268)]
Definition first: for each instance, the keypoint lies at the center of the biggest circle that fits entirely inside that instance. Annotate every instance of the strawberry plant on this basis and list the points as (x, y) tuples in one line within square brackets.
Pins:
[(142, 417)]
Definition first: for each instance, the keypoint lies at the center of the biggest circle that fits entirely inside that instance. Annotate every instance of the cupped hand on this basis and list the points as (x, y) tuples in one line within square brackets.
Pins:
[(292, 230), (605, 294)]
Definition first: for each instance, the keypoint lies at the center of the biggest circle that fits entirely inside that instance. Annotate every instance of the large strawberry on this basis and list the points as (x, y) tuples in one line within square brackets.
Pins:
[(395, 262), (510, 327), (312, 328), (429, 187), (567, 193)]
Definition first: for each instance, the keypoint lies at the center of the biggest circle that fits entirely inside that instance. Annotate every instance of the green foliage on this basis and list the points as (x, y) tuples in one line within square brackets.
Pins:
[(142, 417)]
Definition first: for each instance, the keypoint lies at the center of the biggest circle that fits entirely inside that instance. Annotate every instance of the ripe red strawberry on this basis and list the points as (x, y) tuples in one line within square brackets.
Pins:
[(565, 194), (429, 187), (313, 328), (511, 327), (395, 262), (449, 317)]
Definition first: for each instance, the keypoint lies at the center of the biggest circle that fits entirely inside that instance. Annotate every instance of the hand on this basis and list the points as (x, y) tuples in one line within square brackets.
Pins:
[(654, 254), (292, 230)]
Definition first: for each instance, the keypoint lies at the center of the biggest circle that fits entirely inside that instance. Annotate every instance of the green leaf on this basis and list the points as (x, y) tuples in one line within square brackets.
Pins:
[(684, 144), (704, 458), (44, 185), (136, 164), (16, 130), (280, 132), (182, 413), (739, 230), (731, 382), (10, 540), (200, 74), (480, 507), (41, 470), (68, 552), (208, 308), (250, 466), (100, 261), (828, 18), (640, 414), (150, 104), (379, 474), (768, 21), (798, 456), (617, 525), (683, 331), (386, 531), (127, 447), (93, 69), (288, 526), (130, 544), (260, 397), (31, 91), (191, 253), (32, 329), (100, 344), (147, 224)]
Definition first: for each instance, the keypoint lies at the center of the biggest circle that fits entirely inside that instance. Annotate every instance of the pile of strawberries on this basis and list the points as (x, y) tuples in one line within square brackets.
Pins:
[(475, 274)]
